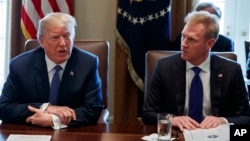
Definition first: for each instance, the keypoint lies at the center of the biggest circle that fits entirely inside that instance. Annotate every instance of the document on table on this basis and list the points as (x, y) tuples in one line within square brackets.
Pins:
[(22, 137), (220, 133)]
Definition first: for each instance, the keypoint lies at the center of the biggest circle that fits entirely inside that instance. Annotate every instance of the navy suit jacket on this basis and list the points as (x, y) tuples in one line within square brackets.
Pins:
[(222, 44), (168, 85), (28, 84)]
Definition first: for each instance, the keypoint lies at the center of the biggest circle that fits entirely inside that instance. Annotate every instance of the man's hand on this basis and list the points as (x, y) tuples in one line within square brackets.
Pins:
[(65, 113), (212, 122), (39, 118), (185, 122), (190, 124)]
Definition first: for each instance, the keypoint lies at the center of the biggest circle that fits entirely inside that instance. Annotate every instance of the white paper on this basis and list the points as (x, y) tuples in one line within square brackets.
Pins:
[(21, 137), (152, 137), (220, 133)]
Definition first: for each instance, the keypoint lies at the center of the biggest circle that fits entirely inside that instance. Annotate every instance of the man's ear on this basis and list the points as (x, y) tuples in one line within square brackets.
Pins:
[(210, 43), (40, 40)]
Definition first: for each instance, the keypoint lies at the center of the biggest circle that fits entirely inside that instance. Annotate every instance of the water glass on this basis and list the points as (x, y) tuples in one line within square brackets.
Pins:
[(164, 126)]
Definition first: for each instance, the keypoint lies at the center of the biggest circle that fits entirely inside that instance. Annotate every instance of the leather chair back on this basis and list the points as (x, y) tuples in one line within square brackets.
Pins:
[(153, 56), (99, 48)]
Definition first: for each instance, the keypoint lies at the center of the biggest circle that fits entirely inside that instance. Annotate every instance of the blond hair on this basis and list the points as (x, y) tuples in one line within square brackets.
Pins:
[(210, 21)]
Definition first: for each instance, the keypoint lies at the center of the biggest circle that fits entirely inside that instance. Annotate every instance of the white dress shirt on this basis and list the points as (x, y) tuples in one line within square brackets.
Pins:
[(205, 78), (50, 66)]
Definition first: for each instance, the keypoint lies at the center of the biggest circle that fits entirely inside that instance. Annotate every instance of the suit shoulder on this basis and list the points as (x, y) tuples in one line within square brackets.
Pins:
[(83, 55), (80, 52), (224, 61), (171, 57), (170, 60), (28, 55), (225, 38)]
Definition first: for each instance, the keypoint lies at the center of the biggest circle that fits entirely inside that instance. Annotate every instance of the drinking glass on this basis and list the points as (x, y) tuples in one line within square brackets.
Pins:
[(164, 126)]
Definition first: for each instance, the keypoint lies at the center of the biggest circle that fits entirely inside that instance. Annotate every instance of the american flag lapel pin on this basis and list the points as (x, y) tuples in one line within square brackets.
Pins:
[(71, 73), (220, 75)]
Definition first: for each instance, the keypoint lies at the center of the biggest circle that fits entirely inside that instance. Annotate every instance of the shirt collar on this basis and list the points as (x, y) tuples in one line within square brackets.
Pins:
[(51, 64), (204, 66)]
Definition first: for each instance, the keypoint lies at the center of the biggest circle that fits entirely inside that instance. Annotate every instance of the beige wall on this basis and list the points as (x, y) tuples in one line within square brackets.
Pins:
[(96, 20)]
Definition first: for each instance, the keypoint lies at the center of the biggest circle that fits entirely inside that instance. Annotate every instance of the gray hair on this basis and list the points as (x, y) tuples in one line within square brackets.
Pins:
[(204, 5), (210, 21), (55, 18)]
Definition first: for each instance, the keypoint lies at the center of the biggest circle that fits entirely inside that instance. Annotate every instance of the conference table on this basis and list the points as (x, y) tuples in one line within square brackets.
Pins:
[(98, 132)]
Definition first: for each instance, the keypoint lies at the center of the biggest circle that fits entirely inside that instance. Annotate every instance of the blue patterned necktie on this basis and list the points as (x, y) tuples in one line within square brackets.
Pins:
[(54, 88), (196, 97)]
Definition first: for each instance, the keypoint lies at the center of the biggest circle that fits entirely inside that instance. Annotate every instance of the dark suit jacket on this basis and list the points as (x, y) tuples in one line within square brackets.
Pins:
[(168, 85), (28, 84), (223, 44), (248, 66)]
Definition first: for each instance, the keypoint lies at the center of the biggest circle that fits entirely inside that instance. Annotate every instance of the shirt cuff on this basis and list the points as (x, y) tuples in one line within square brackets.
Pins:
[(44, 106), (224, 120), (57, 123)]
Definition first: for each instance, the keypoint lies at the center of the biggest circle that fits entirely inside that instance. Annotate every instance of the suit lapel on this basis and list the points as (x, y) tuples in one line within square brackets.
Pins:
[(180, 85), (68, 77), (41, 76), (216, 81)]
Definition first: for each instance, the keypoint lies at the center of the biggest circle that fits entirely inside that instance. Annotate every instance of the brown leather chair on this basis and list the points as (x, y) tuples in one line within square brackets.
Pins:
[(99, 48), (154, 55)]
